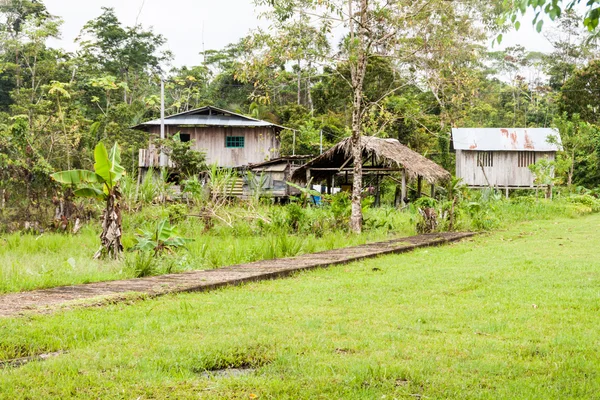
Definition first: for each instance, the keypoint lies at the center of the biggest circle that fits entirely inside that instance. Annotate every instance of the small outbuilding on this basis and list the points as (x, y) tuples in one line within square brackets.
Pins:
[(381, 157), (500, 157), (271, 177)]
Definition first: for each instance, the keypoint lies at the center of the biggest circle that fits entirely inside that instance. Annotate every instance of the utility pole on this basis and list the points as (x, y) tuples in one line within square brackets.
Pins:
[(163, 161), (321, 141), (203, 48)]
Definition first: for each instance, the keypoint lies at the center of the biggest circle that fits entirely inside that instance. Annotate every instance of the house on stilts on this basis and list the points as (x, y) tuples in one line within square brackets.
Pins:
[(500, 157), (229, 140)]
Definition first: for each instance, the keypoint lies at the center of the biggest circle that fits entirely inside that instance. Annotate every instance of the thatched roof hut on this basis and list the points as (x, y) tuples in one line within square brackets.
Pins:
[(386, 155)]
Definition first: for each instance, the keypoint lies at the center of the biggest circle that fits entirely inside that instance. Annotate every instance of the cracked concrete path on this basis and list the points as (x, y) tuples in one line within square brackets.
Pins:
[(48, 300)]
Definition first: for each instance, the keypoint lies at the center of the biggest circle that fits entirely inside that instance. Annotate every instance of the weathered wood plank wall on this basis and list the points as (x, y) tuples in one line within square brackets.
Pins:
[(504, 172), (261, 144)]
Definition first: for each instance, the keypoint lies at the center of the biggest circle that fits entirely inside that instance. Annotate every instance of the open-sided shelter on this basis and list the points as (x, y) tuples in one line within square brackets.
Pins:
[(500, 157), (381, 157), (228, 139)]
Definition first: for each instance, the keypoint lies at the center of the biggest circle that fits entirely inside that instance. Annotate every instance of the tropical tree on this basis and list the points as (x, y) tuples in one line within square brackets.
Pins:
[(376, 28), (573, 49), (554, 9), (101, 184), (128, 53), (581, 93), (579, 142), (165, 238)]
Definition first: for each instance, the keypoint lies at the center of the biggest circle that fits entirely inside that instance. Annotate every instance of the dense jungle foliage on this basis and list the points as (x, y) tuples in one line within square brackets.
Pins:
[(56, 106)]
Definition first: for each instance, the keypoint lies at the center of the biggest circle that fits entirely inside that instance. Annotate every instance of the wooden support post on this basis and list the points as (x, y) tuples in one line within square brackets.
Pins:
[(433, 190), (507, 194), (330, 184), (419, 186), (307, 177), (377, 191), (403, 193)]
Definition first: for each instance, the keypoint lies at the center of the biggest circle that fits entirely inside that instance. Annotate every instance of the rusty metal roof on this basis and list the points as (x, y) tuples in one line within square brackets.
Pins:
[(505, 139)]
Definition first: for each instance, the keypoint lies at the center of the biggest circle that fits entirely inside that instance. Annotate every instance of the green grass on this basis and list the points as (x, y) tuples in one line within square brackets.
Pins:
[(30, 262), (512, 315)]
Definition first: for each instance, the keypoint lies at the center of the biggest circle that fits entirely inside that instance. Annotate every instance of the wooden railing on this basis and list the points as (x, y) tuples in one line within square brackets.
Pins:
[(151, 159)]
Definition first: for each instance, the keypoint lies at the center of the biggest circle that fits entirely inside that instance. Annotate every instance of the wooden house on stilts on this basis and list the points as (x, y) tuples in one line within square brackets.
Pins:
[(500, 157), (229, 139)]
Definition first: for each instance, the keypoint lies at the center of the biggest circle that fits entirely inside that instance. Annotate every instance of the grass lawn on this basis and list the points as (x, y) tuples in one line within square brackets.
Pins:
[(511, 315), (30, 262)]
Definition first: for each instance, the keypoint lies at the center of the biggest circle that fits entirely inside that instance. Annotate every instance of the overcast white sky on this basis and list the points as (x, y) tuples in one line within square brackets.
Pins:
[(182, 21)]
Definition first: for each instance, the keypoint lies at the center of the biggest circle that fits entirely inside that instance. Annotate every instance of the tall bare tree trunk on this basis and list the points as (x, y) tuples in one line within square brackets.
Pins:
[(358, 76), (17, 69), (311, 105)]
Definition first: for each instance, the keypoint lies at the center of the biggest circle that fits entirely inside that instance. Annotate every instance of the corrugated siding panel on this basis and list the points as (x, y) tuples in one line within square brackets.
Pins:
[(504, 172)]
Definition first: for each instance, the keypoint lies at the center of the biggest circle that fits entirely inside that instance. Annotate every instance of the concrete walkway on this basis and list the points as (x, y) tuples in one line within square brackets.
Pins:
[(48, 300)]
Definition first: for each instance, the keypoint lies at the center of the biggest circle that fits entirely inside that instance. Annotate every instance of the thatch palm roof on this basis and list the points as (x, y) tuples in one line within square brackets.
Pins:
[(389, 153)]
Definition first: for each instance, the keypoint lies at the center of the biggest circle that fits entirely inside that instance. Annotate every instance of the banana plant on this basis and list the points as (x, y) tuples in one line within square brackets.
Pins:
[(306, 193), (101, 184), (165, 238)]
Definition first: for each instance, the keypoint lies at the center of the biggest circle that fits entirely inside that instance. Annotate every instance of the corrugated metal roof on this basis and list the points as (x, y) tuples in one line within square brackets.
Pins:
[(271, 168), (285, 160), (209, 120), (505, 139), (210, 116)]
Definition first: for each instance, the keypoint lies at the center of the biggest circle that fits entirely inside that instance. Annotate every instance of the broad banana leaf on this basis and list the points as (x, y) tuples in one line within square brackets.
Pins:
[(145, 244), (108, 166), (163, 230), (115, 162), (165, 236), (90, 192), (304, 190), (102, 164), (76, 177)]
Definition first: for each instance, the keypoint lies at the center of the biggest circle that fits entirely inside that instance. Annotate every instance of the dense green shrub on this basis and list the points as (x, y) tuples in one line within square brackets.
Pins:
[(585, 199)]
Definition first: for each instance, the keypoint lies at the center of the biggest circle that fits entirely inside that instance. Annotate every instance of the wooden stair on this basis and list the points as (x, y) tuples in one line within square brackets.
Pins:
[(238, 188)]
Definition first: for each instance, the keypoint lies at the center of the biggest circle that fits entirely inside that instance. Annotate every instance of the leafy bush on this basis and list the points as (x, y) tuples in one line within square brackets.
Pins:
[(341, 208), (177, 213), (142, 264), (586, 200), (188, 162), (295, 216), (147, 191), (193, 191), (482, 216), (426, 202)]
